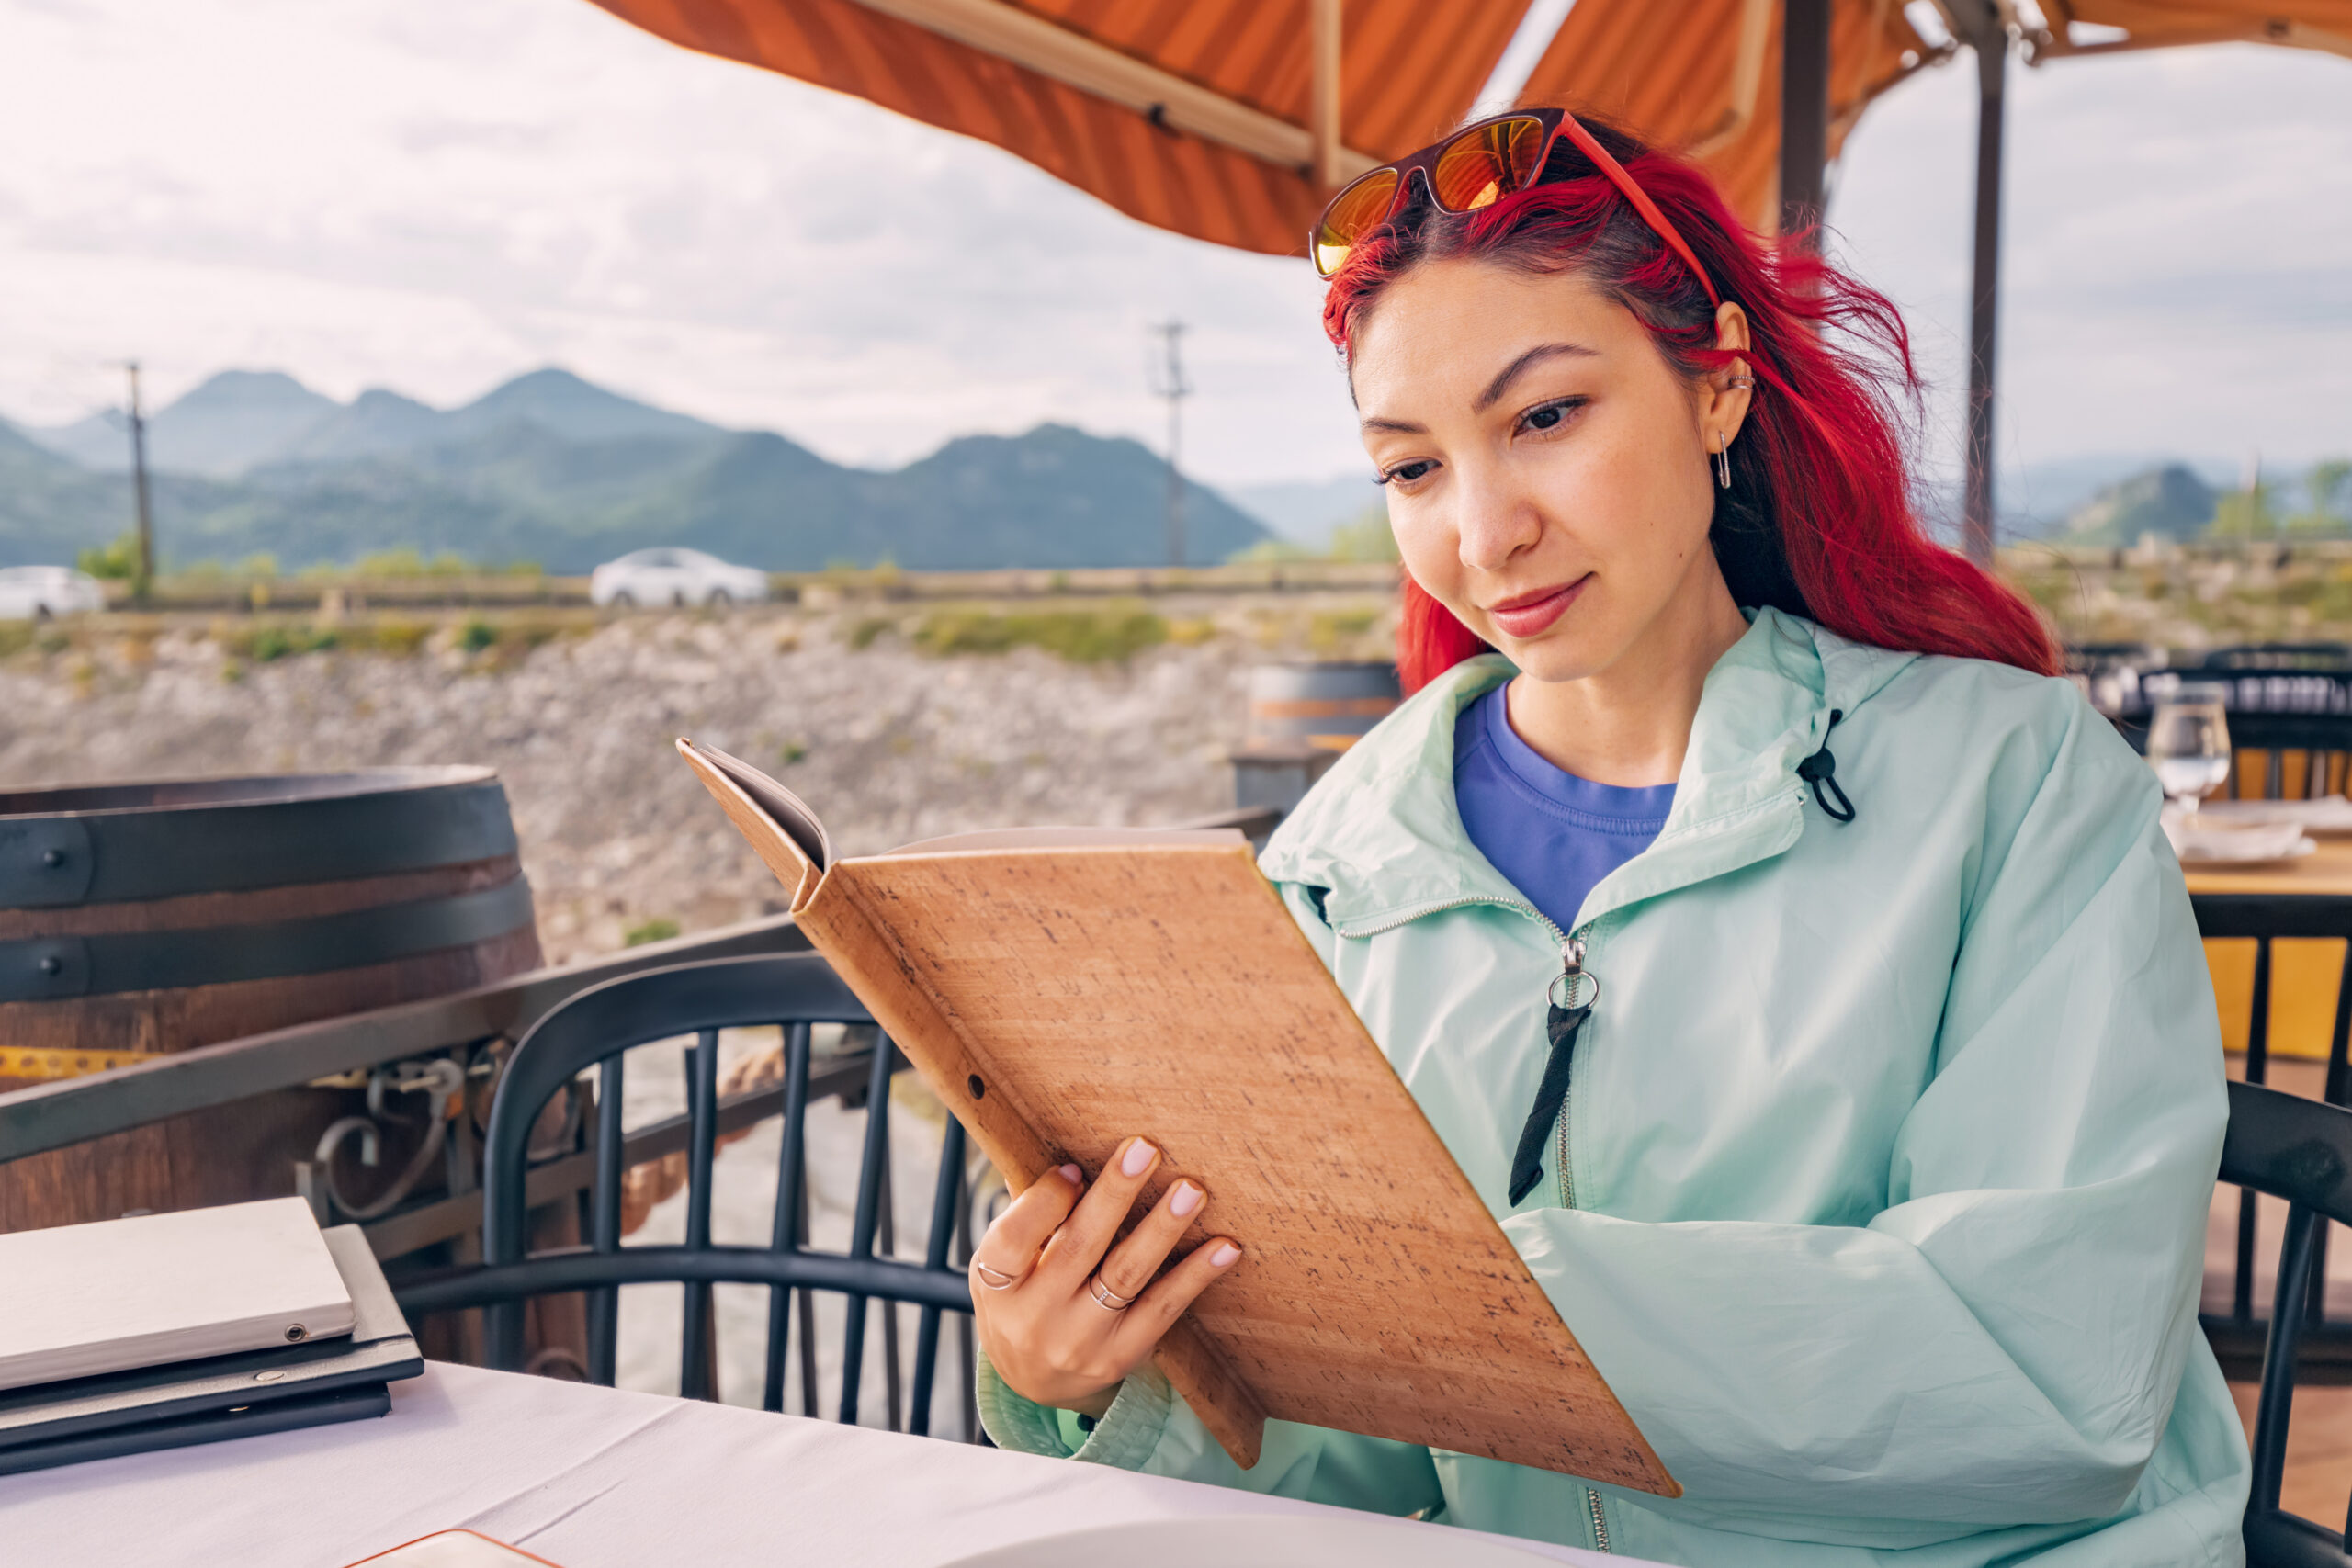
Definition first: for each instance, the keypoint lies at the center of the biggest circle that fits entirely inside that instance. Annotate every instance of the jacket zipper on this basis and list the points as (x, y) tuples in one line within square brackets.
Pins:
[(1572, 951), (1572, 965), (1562, 989), (1571, 969)]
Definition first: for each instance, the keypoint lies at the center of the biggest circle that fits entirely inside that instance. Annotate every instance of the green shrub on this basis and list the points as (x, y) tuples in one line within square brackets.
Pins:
[(273, 642), (1112, 633), (403, 563), (1329, 630), (862, 635), (659, 929), (118, 560), (1267, 552), (15, 637), (477, 635), (1368, 538), (399, 638)]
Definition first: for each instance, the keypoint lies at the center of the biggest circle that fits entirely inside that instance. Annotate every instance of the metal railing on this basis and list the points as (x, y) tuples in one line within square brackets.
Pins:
[(440, 1046)]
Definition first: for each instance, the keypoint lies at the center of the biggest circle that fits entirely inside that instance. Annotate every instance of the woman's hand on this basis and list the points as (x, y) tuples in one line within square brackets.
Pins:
[(1063, 1324)]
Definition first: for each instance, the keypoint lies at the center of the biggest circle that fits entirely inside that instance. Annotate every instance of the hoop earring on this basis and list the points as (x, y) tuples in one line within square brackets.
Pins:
[(1723, 462)]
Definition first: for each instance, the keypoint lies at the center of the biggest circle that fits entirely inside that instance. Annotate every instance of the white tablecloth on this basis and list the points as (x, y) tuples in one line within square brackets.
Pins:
[(589, 1478)]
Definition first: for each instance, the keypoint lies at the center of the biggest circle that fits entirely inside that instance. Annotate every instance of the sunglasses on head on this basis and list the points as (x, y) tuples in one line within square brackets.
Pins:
[(1475, 167)]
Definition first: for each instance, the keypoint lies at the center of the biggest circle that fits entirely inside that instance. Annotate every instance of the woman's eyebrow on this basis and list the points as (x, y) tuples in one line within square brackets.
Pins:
[(1534, 356), (1495, 389)]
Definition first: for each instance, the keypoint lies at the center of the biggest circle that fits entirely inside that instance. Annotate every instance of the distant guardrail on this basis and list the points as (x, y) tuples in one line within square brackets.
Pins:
[(816, 590)]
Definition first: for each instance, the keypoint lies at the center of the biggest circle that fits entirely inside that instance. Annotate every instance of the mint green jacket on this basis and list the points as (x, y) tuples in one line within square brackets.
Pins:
[(1880, 1192)]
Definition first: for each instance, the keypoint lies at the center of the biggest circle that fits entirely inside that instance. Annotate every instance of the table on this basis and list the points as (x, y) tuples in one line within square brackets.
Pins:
[(593, 1478), (2305, 973)]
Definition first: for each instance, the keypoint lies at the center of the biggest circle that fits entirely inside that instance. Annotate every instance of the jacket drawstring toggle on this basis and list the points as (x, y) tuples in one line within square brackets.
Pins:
[(1820, 770)]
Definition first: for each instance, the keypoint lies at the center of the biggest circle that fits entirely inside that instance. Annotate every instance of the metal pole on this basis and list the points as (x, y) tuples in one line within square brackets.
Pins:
[(144, 580), (1324, 115), (1805, 112), (1992, 72), (1171, 385)]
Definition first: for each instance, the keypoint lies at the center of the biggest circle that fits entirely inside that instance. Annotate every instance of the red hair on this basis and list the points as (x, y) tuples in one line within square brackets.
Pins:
[(1819, 519)]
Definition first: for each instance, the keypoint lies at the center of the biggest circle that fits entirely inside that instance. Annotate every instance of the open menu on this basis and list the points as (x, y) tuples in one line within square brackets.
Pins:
[(1060, 989)]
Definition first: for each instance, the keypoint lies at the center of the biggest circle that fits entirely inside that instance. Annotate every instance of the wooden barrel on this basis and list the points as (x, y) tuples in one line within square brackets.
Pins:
[(139, 920), (1328, 707)]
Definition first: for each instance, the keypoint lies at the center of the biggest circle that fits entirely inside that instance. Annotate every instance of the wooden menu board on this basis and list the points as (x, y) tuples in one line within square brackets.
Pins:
[(1062, 989)]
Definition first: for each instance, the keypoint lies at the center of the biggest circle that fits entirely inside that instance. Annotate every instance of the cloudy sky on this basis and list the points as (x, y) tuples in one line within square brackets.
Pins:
[(434, 198)]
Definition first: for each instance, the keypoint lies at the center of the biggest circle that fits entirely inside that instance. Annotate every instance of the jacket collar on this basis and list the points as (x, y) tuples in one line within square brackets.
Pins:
[(1382, 833)]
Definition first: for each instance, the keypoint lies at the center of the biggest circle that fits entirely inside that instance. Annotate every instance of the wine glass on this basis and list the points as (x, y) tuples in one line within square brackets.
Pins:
[(2188, 743)]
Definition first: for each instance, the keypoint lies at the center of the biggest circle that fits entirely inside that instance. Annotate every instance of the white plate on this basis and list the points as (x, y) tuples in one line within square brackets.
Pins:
[(2197, 855), (2330, 815), (1261, 1542)]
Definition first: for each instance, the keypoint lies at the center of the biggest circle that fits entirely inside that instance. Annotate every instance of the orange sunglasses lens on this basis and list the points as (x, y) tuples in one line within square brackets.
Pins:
[(1354, 213), (1486, 162)]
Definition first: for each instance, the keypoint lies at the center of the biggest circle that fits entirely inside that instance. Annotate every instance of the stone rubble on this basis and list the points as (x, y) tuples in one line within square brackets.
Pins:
[(888, 744)]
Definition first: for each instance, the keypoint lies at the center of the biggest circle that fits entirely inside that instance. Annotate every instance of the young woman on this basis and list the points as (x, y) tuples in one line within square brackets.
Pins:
[(1795, 966)]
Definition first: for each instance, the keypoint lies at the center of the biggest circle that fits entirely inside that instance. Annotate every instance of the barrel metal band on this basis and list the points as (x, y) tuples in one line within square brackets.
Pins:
[(40, 969), (111, 856), (35, 1062)]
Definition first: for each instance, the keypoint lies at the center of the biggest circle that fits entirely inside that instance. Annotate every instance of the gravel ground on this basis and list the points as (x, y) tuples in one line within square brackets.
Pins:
[(888, 744)]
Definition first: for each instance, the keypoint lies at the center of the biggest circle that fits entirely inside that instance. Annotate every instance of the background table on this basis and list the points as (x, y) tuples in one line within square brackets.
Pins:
[(592, 1478), (2304, 973)]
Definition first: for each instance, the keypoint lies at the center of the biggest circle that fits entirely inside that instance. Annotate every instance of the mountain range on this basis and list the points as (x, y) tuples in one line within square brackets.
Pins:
[(552, 468)]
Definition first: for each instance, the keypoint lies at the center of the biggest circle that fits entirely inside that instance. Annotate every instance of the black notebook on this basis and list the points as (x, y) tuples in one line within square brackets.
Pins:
[(245, 1394)]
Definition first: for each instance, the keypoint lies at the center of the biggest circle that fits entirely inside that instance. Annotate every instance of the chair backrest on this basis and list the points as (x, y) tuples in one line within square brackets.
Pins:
[(2320, 656), (2240, 1335), (594, 1028), (2303, 753), (2301, 1150)]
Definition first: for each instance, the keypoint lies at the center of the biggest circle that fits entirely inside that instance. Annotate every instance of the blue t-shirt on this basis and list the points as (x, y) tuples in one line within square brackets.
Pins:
[(1552, 834)]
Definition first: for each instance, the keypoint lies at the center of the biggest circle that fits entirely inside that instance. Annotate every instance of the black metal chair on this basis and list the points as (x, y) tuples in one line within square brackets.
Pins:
[(596, 1028), (2239, 1336), (2300, 1150)]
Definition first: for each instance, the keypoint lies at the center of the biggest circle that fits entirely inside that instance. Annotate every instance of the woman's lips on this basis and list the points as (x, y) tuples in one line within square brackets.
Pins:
[(1529, 615)]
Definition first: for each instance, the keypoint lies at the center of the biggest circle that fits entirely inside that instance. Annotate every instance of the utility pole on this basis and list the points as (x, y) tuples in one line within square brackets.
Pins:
[(144, 581), (1168, 381)]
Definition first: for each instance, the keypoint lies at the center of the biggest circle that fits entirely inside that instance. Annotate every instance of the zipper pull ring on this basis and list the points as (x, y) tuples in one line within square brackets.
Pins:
[(1575, 988)]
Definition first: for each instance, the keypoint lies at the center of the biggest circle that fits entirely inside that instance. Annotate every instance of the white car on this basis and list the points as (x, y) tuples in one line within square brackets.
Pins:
[(674, 577), (38, 592)]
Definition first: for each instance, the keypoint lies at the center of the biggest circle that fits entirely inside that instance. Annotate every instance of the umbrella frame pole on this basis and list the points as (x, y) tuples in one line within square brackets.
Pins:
[(1804, 113), (1992, 80)]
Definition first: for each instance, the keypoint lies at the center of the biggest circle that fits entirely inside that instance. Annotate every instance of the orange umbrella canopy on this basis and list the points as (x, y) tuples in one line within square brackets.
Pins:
[(1231, 120), (1705, 76), (1199, 116), (2324, 25)]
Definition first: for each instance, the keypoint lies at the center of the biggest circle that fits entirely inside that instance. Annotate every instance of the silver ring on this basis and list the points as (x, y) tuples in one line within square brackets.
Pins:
[(1745, 381), (994, 1279), (1106, 1298)]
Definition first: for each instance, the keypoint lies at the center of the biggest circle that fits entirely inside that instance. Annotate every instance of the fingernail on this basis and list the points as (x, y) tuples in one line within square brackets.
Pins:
[(1187, 1198), (1072, 1175), (1224, 1256), (1138, 1158)]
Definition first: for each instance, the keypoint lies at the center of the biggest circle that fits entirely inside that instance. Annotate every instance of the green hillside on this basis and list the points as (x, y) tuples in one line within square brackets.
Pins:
[(552, 469)]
